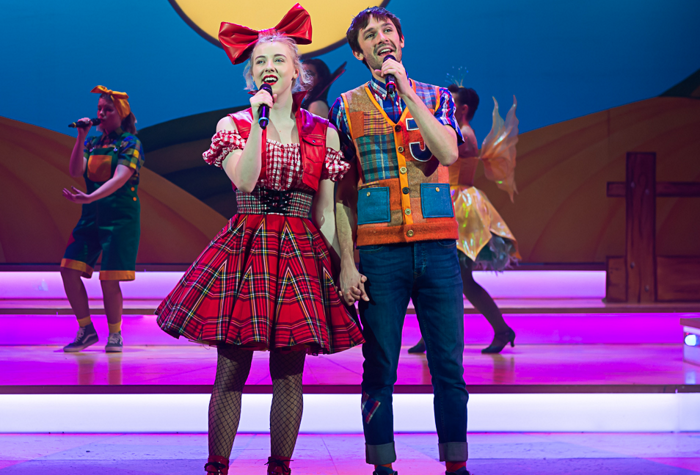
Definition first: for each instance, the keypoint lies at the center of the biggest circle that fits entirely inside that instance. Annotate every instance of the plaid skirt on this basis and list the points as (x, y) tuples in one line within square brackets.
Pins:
[(265, 282)]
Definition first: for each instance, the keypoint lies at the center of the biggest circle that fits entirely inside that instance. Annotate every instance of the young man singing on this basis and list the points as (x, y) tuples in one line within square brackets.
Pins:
[(395, 205)]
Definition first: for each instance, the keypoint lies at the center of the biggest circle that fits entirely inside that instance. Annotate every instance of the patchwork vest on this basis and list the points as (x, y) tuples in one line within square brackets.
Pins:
[(403, 190)]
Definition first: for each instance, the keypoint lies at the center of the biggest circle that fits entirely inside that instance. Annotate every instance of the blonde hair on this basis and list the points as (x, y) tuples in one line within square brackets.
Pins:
[(301, 83)]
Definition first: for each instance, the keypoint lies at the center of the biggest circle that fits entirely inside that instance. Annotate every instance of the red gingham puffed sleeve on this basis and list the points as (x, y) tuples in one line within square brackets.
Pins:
[(334, 167), (223, 143)]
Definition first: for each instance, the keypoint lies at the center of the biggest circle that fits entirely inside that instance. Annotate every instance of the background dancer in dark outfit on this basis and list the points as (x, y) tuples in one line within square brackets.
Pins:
[(264, 283), (320, 80), (485, 241), (110, 223)]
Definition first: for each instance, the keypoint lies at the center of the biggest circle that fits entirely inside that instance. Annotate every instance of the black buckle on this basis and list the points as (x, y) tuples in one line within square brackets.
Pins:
[(275, 201)]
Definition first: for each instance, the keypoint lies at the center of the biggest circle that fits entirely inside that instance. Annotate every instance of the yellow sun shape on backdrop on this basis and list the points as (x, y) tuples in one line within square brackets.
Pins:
[(330, 18)]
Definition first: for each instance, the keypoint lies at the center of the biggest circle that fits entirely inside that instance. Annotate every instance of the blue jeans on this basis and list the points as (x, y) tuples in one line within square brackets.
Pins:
[(427, 272)]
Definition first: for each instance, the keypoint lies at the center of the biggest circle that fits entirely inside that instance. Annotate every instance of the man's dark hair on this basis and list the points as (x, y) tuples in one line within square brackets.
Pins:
[(362, 19), (466, 95)]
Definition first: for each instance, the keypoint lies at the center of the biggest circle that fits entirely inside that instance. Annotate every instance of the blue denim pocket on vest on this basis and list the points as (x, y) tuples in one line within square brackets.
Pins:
[(436, 201), (373, 205)]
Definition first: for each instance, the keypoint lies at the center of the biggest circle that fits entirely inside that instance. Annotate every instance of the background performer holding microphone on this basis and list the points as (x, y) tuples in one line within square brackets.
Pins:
[(110, 220)]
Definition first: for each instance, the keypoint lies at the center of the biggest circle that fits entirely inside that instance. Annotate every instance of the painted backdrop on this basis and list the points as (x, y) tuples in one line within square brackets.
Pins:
[(561, 59), (587, 76)]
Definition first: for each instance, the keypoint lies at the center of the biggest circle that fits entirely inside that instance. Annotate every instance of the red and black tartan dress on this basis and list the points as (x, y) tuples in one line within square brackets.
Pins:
[(265, 281)]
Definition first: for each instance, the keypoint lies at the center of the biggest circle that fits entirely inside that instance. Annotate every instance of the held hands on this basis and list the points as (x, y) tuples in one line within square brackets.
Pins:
[(391, 66), (77, 196), (352, 285), (261, 97)]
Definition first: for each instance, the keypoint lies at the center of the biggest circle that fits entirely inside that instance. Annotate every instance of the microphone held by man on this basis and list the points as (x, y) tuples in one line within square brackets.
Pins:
[(390, 79)]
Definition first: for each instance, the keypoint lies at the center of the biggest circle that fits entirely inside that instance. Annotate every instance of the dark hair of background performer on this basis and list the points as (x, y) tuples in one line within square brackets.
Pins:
[(318, 74)]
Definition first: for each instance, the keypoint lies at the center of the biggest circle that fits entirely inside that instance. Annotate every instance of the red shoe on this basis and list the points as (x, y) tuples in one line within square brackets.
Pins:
[(217, 465), (276, 466)]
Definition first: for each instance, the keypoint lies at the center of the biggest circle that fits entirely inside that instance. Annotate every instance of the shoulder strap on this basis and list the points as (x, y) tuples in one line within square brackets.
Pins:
[(310, 125), (131, 137), (312, 144), (355, 101), (244, 121)]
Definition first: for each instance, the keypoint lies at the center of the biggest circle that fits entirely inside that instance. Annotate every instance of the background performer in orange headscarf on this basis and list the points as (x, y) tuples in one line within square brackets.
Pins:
[(110, 223)]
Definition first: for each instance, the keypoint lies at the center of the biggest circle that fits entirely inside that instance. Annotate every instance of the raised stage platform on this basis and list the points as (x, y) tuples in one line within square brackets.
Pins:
[(579, 365), (53, 306), (558, 369), (530, 388)]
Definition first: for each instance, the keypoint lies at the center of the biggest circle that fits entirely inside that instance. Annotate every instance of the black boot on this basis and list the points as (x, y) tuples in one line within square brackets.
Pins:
[(418, 347), (500, 340)]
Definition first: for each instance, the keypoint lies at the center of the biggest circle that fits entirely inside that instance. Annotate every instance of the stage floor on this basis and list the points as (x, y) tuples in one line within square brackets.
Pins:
[(531, 329), (341, 454), (602, 368), (61, 306)]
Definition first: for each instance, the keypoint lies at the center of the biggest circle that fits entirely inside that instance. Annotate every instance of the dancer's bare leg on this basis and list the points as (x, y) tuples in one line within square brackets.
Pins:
[(76, 293), (77, 296), (114, 301)]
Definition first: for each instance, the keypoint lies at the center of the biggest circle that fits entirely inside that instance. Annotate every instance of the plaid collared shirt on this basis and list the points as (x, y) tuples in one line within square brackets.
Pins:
[(394, 108), (130, 153)]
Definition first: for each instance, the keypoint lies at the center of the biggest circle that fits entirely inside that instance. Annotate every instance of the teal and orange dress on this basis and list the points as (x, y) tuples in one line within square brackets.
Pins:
[(110, 226)]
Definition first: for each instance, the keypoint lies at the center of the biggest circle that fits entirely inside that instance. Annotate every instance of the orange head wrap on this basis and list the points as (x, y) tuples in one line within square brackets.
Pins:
[(120, 99)]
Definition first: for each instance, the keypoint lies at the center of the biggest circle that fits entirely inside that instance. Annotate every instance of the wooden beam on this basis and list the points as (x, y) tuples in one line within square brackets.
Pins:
[(678, 189), (641, 227), (617, 189), (670, 189)]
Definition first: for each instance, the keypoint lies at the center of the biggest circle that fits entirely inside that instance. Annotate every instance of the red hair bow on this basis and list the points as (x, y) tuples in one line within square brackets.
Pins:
[(238, 41)]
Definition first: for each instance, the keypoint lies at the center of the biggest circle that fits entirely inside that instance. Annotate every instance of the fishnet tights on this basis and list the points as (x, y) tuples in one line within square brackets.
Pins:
[(232, 369), (286, 370)]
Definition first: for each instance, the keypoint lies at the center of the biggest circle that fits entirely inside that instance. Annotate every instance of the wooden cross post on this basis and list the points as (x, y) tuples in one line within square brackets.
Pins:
[(633, 278)]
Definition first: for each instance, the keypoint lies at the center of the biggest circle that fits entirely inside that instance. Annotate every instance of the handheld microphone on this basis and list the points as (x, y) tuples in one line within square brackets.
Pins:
[(81, 123), (390, 79), (264, 109)]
